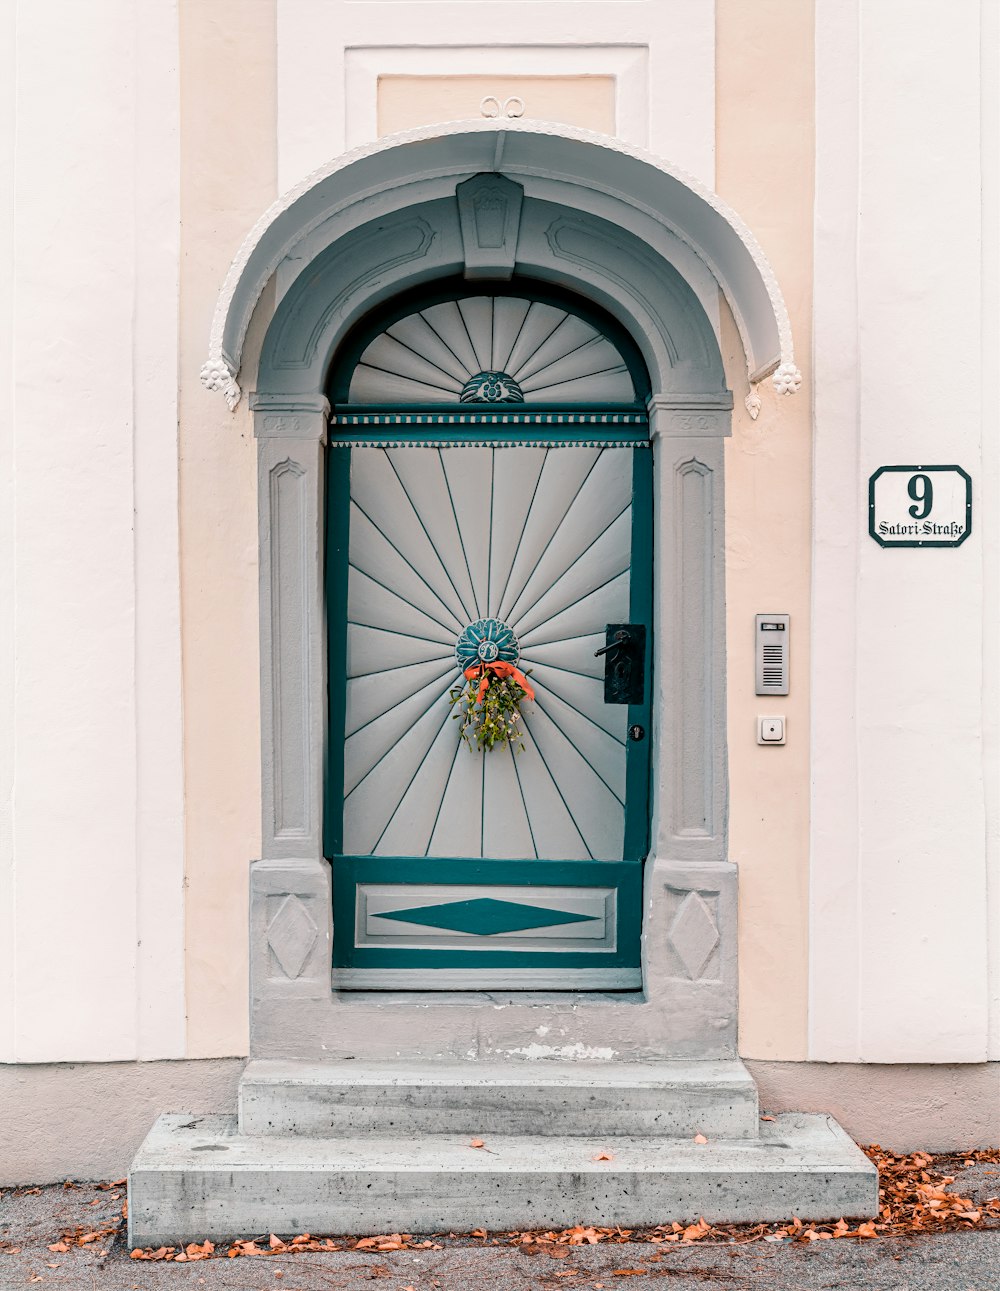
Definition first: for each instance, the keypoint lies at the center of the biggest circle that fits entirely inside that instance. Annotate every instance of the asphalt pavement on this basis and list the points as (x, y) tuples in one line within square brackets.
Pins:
[(32, 1220)]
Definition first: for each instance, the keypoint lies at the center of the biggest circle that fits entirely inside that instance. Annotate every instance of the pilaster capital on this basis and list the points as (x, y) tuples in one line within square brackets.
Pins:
[(288, 416), (690, 416)]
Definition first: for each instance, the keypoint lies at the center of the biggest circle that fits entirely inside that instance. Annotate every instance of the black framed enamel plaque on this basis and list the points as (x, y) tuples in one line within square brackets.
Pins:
[(920, 506)]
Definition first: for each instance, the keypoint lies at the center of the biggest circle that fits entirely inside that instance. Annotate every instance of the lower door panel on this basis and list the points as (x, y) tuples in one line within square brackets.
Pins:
[(479, 924)]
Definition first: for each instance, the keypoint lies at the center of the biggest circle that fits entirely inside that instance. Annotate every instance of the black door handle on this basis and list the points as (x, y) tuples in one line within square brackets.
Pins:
[(624, 663), (622, 637)]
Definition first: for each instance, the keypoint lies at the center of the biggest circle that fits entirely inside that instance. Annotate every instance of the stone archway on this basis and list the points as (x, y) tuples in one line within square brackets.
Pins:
[(390, 220)]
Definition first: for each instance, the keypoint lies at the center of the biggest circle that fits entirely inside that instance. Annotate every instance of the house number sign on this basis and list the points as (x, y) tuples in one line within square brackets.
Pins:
[(920, 506)]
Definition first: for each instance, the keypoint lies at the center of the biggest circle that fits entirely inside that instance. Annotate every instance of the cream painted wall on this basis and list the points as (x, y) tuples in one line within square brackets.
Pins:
[(227, 179), (90, 841), (764, 89), (408, 101)]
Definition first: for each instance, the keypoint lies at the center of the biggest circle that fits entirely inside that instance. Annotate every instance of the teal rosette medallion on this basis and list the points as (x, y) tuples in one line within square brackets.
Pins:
[(486, 641)]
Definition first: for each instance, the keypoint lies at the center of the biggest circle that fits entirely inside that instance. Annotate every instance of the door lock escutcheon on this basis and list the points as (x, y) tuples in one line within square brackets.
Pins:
[(624, 663)]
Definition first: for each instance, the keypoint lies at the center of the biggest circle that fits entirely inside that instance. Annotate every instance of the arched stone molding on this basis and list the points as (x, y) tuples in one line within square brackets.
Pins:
[(422, 243), (356, 247), (544, 158)]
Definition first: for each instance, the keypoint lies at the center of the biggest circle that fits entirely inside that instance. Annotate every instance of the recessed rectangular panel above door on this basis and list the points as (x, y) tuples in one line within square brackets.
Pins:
[(517, 865)]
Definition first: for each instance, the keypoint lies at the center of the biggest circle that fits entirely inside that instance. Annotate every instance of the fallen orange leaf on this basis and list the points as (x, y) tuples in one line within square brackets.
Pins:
[(604, 1155), (700, 1138)]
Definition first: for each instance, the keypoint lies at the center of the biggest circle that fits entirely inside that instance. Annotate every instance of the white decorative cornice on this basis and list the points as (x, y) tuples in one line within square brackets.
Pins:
[(260, 254)]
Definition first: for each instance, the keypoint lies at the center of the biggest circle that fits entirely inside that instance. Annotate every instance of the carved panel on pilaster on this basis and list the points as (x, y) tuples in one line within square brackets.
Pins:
[(692, 769), (689, 954), (291, 641), (693, 934), (291, 936), (690, 810)]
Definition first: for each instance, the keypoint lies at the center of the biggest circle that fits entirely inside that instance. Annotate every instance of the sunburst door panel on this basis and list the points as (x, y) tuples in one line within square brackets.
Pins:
[(479, 540)]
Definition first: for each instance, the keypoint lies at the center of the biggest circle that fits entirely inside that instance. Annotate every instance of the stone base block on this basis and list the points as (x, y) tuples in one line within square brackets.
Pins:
[(197, 1177), (347, 1099)]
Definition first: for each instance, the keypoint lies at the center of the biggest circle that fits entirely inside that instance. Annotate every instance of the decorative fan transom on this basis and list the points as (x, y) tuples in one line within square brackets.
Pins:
[(491, 349)]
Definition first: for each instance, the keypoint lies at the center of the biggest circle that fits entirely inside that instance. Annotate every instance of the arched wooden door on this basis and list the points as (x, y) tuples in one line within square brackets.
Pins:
[(489, 531)]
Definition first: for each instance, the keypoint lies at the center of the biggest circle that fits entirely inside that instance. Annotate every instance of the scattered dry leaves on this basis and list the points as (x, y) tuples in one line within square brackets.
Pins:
[(82, 1236), (271, 1245), (913, 1198)]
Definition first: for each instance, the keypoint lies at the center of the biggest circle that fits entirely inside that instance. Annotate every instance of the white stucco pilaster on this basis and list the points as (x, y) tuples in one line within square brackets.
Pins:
[(899, 929), (8, 109), (989, 45), (90, 709)]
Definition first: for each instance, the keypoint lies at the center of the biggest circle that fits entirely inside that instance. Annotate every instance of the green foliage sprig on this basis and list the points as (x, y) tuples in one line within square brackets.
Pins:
[(495, 718)]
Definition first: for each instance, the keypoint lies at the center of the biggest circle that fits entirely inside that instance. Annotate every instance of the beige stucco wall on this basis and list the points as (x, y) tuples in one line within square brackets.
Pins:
[(228, 169), (405, 102), (764, 168)]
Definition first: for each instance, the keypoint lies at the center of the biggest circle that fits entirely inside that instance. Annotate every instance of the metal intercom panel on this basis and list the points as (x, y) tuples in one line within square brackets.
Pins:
[(772, 654)]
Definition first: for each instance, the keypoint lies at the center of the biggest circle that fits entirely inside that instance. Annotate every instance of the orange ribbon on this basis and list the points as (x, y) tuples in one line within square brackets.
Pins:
[(500, 669)]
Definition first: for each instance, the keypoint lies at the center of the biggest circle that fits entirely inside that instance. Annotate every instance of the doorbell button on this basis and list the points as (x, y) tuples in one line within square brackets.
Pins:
[(770, 730)]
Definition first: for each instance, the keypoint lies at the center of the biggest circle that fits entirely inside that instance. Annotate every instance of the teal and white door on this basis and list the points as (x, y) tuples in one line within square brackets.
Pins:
[(489, 532)]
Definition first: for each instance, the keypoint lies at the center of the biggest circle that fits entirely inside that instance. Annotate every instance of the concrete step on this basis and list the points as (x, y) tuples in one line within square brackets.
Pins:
[(353, 1098), (196, 1177)]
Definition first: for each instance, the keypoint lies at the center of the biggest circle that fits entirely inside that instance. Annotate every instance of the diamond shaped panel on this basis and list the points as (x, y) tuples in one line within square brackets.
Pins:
[(291, 934), (485, 916), (694, 934)]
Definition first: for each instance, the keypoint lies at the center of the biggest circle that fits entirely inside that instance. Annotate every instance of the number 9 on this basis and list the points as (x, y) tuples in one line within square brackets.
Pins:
[(921, 490)]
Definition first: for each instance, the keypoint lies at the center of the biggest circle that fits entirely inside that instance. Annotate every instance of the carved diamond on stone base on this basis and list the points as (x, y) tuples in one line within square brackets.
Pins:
[(291, 934), (694, 934)]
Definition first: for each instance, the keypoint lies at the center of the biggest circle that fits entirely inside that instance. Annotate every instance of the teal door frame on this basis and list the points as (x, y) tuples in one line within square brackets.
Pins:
[(620, 962)]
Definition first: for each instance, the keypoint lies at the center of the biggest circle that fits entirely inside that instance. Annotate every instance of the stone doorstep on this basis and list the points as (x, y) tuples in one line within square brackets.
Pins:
[(337, 1099), (196, 1177)]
